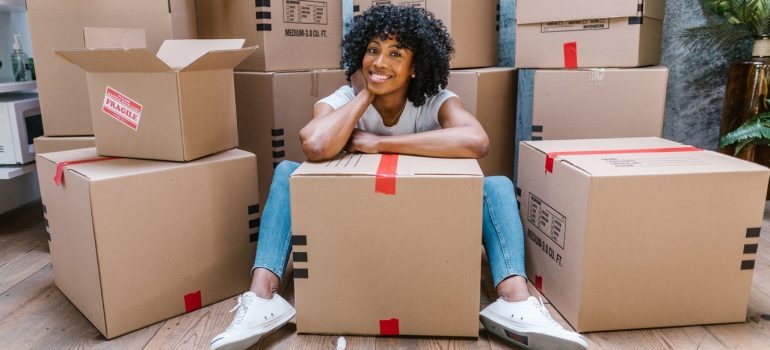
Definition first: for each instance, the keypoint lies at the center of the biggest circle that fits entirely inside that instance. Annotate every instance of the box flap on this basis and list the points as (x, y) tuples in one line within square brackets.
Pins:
[(642, 156), (220, 59), (180, 53), (114, 60), (537, 11), (368, 164), (120, 167), (119, 38)]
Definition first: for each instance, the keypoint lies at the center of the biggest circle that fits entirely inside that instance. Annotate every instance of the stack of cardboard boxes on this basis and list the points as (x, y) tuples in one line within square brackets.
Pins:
[(161, 217), (623, 231)]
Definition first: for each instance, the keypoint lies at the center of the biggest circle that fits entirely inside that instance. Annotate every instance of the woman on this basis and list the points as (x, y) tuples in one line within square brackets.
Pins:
[(397, 61)]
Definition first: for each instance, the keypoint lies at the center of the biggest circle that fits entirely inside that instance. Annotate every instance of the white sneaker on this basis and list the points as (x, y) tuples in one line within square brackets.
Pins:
[(529, 325), (254, 318)]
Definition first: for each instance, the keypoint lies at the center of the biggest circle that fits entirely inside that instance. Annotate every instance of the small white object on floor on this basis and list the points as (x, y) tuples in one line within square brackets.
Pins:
[(341, 343)]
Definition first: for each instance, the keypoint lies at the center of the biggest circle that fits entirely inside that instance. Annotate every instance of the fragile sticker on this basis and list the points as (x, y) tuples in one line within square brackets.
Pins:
[(122, 108)]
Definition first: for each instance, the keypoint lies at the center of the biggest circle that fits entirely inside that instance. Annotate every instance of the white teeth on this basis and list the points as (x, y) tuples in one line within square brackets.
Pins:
[(378, 77)]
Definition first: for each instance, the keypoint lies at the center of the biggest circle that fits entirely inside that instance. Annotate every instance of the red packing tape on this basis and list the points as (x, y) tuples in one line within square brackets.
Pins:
[(385, 182), (58, 178), (389, 327), (549, 157), (192, 301), (570, 55), (539, 283)]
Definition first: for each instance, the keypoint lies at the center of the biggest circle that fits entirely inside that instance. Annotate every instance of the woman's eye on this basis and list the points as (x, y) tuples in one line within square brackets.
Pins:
[(372, 50), (395, 54)]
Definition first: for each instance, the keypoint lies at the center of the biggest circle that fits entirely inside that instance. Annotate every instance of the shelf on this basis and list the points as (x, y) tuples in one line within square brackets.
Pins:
[(10, 172), (13, 5), (17, 86)]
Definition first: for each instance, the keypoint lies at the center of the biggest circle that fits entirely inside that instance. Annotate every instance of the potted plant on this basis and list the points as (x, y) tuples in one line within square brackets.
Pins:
[(745, 126)]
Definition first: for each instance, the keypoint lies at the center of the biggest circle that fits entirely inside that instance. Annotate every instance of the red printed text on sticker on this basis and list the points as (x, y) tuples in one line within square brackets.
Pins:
[(122, 108)]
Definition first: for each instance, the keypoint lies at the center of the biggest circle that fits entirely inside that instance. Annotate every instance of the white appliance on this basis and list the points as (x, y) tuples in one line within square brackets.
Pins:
[(20, 123)]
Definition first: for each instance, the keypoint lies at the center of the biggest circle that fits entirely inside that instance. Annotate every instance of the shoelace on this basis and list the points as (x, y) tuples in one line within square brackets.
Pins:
[(242, 308), (540, 306)]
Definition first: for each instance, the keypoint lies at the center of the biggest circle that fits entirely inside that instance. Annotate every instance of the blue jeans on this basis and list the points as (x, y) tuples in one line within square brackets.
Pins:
[(502, 234)]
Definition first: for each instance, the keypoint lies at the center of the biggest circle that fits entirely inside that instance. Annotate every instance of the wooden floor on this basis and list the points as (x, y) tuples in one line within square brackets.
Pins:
[(35, 315)]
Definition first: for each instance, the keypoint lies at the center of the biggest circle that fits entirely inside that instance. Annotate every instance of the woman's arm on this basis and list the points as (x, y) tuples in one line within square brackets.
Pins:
[(460, 136), (329, 130)]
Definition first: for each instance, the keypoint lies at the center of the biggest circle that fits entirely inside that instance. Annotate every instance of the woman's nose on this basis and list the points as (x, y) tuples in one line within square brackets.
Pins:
[(379, 61)]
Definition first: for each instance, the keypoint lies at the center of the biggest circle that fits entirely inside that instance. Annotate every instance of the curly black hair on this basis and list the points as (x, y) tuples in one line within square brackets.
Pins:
[(414, 28)]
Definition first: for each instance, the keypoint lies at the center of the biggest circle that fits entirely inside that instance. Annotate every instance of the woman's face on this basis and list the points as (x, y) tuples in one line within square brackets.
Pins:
[(386, 66)]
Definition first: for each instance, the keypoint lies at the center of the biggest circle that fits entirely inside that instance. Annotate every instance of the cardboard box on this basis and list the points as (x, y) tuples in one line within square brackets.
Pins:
[(134, 242), (178, 105), (56, 24), (473, 25), (640, 232), (489, 94), (588, 33), (590, 103), (385, 243), (289, 34), (272, 108), (46, 144)]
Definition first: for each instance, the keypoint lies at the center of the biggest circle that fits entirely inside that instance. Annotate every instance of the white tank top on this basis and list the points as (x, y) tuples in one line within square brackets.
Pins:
[(413, 119)]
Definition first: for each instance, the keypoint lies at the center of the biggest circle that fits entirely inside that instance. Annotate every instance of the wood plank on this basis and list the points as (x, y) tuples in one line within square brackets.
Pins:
[(24, 244), (23, 266), (34, 314)]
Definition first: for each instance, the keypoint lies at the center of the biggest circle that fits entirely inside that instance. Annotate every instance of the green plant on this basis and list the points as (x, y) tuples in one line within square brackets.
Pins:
[(742, 19), (753, 132)]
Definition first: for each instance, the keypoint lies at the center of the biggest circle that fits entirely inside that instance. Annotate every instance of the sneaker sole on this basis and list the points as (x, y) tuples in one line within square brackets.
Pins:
[(245, 343), (527, 337)]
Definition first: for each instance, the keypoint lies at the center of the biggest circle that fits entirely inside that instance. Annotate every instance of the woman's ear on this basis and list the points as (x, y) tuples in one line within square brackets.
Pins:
[(412, 72)]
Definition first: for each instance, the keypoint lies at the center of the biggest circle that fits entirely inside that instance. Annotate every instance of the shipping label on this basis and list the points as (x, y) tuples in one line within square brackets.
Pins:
[(655, 161), (577, 25), (305, 12), (410, 3), (547, 220), (122, 108)]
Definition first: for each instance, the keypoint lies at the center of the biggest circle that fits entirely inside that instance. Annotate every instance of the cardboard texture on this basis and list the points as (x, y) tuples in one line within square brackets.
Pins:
[(272, 108), (612, 236), (588, 33), (178, 105), (590, 103), (289, 34), (473, 25), (367, 262), (55, 24), (45, 144), (134, 241), (489, 94)]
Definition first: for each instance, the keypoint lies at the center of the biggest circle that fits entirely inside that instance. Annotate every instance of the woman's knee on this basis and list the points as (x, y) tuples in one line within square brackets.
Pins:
[(498, 185)]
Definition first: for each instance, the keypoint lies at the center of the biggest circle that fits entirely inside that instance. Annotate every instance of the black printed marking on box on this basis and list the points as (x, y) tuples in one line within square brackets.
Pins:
[(253, 209), (300, 273), (750, 248), (300, 257), (298, 240), (262, 3), (356, 8), (747, 265), (518, 191), (279, 154), (753, 232), (278, 143), (497, 28), (547, 220), (640, 7), (545, 247), (276, 132), (537, 128), (275, 164), (254, 223), (263, 15), (253, 237), (497, 17), (537, 138), (498, 7), (264, 27), (305, 12), (635, 20)]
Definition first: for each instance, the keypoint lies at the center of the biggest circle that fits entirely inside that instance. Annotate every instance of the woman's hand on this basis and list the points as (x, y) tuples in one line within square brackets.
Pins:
[(364, 142), (358, 82)]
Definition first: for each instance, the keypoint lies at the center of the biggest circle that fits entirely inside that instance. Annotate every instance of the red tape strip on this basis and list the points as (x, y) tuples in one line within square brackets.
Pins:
[(385, 182), (570, 55), (389, 327), (550, 157), (192, 301), (58, 178), (539, 283)]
